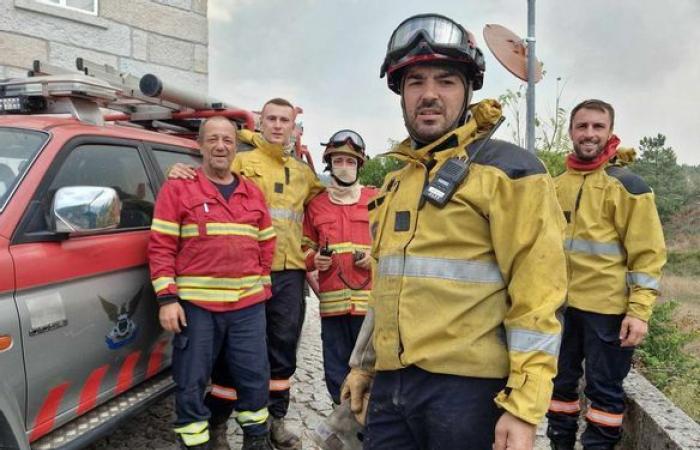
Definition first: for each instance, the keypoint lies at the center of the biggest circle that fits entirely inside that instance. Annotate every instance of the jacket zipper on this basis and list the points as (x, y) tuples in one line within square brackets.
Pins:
[(577, 204), (574, 218)]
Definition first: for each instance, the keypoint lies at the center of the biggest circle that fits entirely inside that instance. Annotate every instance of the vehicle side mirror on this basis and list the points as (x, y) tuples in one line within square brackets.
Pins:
[(86, 209)]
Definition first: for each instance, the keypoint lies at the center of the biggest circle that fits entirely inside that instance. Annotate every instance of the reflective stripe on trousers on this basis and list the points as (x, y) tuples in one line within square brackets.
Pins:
[(196, 433)]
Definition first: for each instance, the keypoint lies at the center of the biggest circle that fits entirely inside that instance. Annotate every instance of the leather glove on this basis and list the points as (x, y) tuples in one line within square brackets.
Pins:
[(356, 388)]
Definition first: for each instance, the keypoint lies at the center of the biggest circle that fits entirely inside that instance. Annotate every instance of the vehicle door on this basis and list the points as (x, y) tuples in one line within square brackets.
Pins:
[(19, 147), (88, 316)]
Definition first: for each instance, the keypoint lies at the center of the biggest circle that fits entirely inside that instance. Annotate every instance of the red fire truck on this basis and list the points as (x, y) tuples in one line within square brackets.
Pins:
[(82, 156)]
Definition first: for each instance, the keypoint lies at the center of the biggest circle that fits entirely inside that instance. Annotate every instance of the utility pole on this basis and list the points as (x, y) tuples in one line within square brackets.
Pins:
[(531, 61)]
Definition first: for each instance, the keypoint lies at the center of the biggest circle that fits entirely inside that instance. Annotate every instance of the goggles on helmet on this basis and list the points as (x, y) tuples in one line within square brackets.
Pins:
[(346, 137), (345, 142), (432, 37)]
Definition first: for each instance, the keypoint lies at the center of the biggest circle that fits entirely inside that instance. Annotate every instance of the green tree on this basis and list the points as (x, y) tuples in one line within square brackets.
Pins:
[(658, 166), (375, 169), (552, 141)]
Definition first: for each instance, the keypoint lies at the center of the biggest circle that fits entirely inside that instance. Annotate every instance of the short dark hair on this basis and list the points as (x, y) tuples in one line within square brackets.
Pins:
[(279, 102), (596, 104), (203, 123)]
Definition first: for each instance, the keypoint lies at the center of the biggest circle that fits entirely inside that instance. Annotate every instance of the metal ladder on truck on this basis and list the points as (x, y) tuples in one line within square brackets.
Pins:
[(98, 93), (147, 101)]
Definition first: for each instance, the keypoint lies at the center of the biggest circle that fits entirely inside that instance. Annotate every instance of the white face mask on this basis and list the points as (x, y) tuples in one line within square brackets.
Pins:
[(345, 174)]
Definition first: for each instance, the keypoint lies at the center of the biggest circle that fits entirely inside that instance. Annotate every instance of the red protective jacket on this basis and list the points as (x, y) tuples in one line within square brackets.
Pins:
[(346, 229), (210, 251)]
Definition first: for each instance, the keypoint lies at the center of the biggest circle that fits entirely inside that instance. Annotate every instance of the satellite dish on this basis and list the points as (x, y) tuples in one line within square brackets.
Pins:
[(510, 51)]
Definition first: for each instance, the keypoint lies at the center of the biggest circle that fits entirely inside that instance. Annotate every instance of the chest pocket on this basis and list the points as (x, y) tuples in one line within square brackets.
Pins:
[(200, 210), (250, 214), (327, 229), (359, 225), (254, 173)]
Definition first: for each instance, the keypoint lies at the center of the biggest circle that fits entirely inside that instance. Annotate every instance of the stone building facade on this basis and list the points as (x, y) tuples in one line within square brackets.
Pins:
[(165, 37)]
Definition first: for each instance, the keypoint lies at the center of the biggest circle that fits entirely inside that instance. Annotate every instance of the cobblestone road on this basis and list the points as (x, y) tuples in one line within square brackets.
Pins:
[(152, 429)]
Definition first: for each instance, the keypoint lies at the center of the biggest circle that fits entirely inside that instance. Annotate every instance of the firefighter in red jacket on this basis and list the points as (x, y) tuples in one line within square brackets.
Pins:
[(337, 242), (210, 255)]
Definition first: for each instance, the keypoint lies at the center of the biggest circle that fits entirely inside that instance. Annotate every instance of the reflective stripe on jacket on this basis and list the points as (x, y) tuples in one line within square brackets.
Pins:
[(472, 288), (614, 241), (288, 184), (346, 229), (205, 249)]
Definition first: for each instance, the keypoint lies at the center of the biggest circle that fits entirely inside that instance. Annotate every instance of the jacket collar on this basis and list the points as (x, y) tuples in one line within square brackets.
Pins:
[(275, 151), (211, 191), (483, 116)]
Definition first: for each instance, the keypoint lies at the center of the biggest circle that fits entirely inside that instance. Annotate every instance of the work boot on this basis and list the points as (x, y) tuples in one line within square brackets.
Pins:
[(281, 437), (257, 442), (217, 437), (204, 446), (561, 446)]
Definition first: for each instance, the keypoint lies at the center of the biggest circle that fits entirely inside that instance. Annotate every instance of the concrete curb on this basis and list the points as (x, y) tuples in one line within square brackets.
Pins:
[(652, 422)]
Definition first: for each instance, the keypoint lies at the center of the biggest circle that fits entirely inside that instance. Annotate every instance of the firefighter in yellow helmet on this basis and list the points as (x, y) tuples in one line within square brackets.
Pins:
[(461, 337), (615, 248)]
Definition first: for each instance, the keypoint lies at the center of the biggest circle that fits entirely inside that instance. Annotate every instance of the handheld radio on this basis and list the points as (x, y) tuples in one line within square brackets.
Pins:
[(326, 250), (452, 173)]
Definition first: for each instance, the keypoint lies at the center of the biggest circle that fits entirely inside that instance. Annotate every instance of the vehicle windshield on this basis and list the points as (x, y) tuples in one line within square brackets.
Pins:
[(17, 150)]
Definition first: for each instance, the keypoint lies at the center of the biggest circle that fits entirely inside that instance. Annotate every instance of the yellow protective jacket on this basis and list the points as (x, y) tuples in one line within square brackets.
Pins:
[(614, 241), (288, 184), (472, 288)]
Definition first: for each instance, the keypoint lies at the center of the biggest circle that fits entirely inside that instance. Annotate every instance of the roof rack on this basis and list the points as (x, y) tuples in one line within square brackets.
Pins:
[(99, 93), (147, 101)]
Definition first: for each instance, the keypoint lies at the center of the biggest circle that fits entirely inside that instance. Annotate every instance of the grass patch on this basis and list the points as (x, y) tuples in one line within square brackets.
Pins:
[(684, 289), (683, 263), (663, 360)]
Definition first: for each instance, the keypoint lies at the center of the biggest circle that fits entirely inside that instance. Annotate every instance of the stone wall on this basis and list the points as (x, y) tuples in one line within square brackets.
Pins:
[(652, 422), (165, 37)]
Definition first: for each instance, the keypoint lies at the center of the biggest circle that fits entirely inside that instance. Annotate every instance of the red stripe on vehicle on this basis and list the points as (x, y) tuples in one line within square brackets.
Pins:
[(156, 358), (126, 373), (88, 395), (47, 413)]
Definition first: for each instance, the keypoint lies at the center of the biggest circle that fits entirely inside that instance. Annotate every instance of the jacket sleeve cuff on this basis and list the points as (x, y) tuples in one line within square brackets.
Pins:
[(641, 312), (640, 306), (309, 259), (167, 299), (363, 354), (526, 397)]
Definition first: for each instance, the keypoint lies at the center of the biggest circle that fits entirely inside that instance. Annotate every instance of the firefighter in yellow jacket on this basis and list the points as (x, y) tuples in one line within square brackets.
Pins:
[(615, 248), (470, 266)]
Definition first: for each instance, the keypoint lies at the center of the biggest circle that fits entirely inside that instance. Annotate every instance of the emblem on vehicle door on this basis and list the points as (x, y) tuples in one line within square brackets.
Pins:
[(124, 330)]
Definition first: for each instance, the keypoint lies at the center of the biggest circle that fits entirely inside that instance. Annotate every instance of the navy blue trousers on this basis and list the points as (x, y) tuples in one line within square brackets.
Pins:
[(338, 334), (412, 409), (592, 340), (285, 316), (239, 337)]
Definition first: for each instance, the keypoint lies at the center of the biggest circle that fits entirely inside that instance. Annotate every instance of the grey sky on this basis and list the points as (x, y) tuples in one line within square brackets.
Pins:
[(324, 55)]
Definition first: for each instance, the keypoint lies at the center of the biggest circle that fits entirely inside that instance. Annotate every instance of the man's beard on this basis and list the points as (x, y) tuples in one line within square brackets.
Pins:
[(580, 154)]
